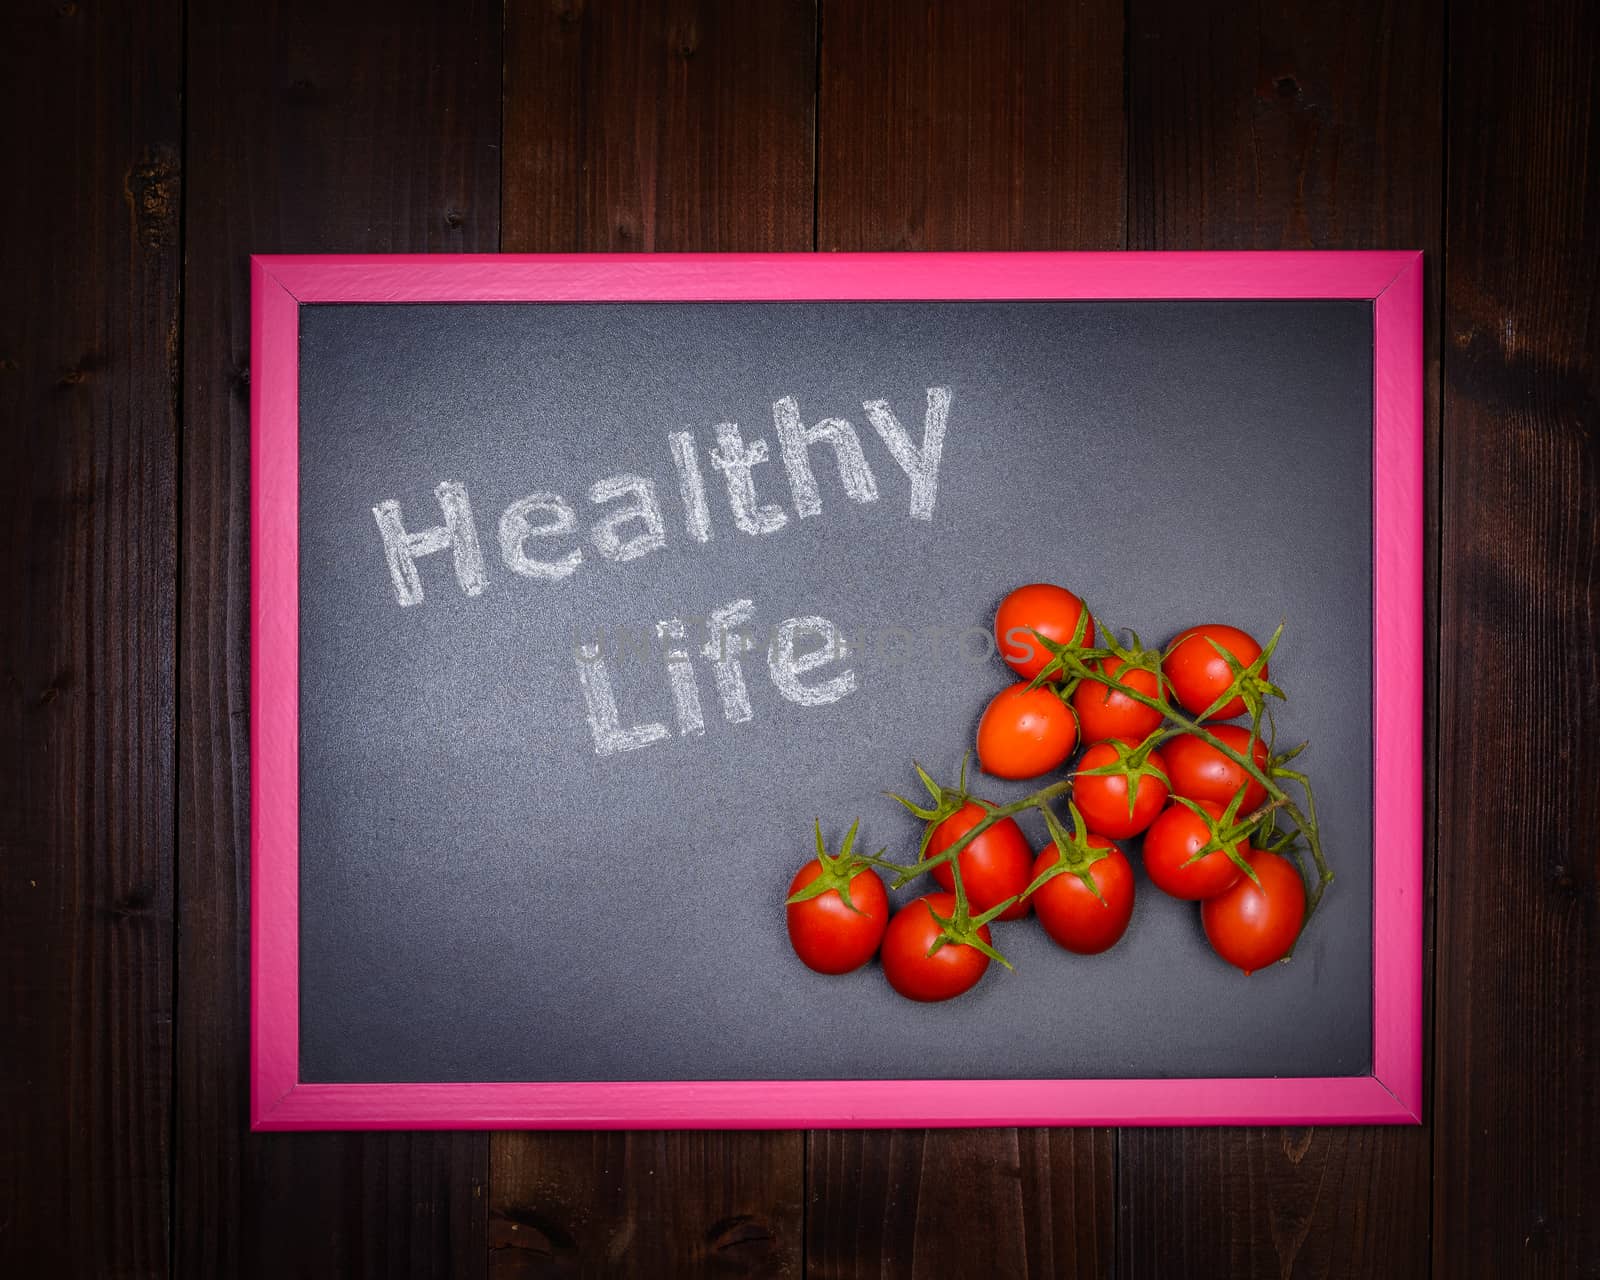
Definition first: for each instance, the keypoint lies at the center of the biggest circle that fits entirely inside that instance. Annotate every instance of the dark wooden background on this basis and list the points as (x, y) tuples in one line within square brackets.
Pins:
[(152, 144)]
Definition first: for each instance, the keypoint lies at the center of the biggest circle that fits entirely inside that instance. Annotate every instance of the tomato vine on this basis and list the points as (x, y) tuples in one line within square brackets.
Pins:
[(1283, 824)]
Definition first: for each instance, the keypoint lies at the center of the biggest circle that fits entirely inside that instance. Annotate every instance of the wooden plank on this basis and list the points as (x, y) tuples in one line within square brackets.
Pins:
[(668, 127), (310, 128), (88, 451), (971, 125), (1278, 1202), (676, 127), (967, 126), (1268, 128), (1286, 129), (961, 1202), (1517, 1074), (645, 1204)]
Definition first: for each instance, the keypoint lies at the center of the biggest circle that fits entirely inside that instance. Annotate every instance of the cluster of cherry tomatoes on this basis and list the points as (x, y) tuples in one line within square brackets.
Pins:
[(1160, 761)]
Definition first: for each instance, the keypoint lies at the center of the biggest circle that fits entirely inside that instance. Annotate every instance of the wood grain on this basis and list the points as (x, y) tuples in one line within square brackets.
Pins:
[(970, 125), (1287, 128), (1279, 128), (678, 127), (1272, 1202), (88, 448), (967, 126), (645, 1205), (312, 128), (944, 1203), (697, 124), (1517, 1074), (666, 127)]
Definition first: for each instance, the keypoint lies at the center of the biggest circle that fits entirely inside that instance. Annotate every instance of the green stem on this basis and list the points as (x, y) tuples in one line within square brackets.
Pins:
[(962, 911), (1305, 823), (1307, 826), (1324, 872), (992, 813)]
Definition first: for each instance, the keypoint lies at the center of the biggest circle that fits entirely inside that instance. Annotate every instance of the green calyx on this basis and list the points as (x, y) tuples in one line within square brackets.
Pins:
[(1249, 684), (1132, 764), (1074, 854), (961, 927), (1069, 663), (1133, 656), (837, 871), (1285, 824), (1229, 832), (946, 802)]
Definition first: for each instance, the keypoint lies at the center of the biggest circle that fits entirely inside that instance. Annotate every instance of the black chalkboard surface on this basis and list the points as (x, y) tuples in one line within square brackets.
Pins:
[(485, 896)]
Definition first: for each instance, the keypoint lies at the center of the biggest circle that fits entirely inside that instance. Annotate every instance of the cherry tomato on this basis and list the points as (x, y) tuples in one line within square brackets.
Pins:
[(1025, 732), (1251, 928), (1051, 611), (1103, 799), (827, 935), (994, 867), (1197, 673), (1201, 772), (911, 971), (1068, 909), (1175, 837), (1104, 712)]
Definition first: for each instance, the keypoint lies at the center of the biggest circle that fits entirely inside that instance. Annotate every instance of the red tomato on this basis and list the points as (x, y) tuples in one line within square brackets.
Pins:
[(1175, 837), (827, 935), (1197, 673), (1104, 712), (1068, 909), (1251, 928), (1201, 772), (1025, 732), (1103, 799), (911, 971), (994, 867), (1051, 611)]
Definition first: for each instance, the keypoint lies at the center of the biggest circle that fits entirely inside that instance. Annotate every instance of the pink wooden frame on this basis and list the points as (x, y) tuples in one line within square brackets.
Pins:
[(1391, 1094)]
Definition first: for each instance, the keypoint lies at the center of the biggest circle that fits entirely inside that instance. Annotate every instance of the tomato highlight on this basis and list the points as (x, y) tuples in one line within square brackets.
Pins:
[(1025, 732), (919, 959), (1215, 805), (1038, 609), (996, 865), (1084, 920), (1251, 926), (1199, 674)]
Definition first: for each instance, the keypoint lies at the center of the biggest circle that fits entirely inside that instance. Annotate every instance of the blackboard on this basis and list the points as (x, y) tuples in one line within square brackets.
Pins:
[(483, 897)]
